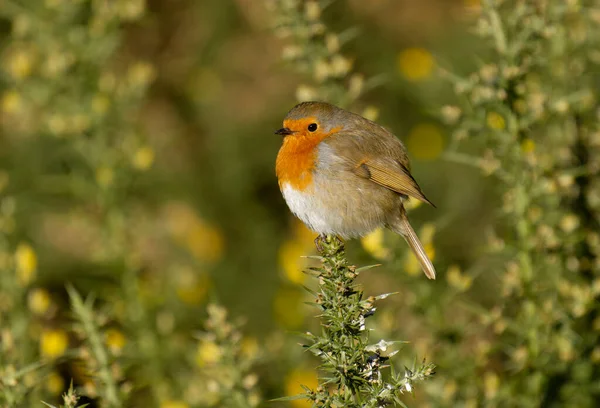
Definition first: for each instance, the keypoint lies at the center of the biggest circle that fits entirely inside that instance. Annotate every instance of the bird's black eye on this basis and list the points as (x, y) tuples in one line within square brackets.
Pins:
[(312, 127)]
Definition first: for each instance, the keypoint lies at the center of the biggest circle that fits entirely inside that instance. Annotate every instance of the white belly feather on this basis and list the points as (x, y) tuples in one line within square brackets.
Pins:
[(306, 206), (326, 213)]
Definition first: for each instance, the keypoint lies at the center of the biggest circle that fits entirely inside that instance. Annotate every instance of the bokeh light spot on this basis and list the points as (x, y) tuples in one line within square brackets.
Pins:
[(53, 343), (415, 64), (288, 308), (425, 141), (293, 386)]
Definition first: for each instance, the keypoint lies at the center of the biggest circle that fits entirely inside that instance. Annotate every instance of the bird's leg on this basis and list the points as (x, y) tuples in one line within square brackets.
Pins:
[(320, 240)]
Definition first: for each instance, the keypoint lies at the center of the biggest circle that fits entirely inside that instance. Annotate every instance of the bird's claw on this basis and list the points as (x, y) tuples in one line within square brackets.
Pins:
[(322, 243), (320, 240)]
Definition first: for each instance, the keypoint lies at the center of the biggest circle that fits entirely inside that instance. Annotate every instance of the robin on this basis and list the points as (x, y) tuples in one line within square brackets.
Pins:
[(345, 175)]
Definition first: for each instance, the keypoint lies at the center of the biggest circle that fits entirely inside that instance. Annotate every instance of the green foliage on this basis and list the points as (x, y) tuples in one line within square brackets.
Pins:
[(136, 162), (227, 378), (99, 354), (352, 368), (532, 111), (315, 52)]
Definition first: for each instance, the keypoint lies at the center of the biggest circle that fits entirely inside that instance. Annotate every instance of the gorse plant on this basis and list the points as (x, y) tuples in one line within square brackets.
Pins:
[(98, 361), (226, 359), (68, 88), (63, 92), (352, 369), (531, 110), (314, 51)]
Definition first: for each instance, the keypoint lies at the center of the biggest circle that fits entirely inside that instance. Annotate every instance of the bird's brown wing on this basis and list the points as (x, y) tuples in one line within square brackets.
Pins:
[(376, 154), (393, 176)]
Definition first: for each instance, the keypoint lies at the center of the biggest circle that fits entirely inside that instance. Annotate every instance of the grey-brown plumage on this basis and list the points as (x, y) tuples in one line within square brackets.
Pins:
[(359, 173)]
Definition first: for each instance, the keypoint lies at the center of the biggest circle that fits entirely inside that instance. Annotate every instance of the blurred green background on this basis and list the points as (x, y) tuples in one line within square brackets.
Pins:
[(137, 166)]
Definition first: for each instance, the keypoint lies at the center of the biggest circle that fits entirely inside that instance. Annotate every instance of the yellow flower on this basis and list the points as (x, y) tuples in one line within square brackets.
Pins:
[(412, 204), (411, 265), (208, 353), (38, 301), (425, 141), (374, 245), (429, 250), (426, 234), (140, 74), (143, 158), (291, 261), (306, 93), (457, 279), (53, 343), (26, 264), (415, 64), (302, 233), (340, 65), (249, 347), (205, 242), (20, 64), (312, 10), (292, 251), (288, 308), (596, 355), (115, 340), (192, 286), (495, 121), (569, 223), (293, 386), (11, 101), (174, 404), (55, 384), (371, 113), (527, 146), (104, 176)]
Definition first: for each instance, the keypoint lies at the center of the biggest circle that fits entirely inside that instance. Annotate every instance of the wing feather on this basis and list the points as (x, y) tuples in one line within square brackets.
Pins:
[(396, 178)]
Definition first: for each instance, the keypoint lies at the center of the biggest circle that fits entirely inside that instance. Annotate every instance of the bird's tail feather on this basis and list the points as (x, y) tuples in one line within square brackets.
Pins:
[(404, 228)]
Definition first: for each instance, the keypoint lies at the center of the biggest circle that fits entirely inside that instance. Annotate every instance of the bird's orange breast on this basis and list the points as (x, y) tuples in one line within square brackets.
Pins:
[(296, 159)]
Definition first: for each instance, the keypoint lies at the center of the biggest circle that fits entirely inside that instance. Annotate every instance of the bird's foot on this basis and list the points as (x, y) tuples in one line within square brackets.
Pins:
[(320, 240), (325, 243)]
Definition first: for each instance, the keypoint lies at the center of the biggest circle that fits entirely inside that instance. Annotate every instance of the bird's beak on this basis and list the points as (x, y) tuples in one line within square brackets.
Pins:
[(284, 132)]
